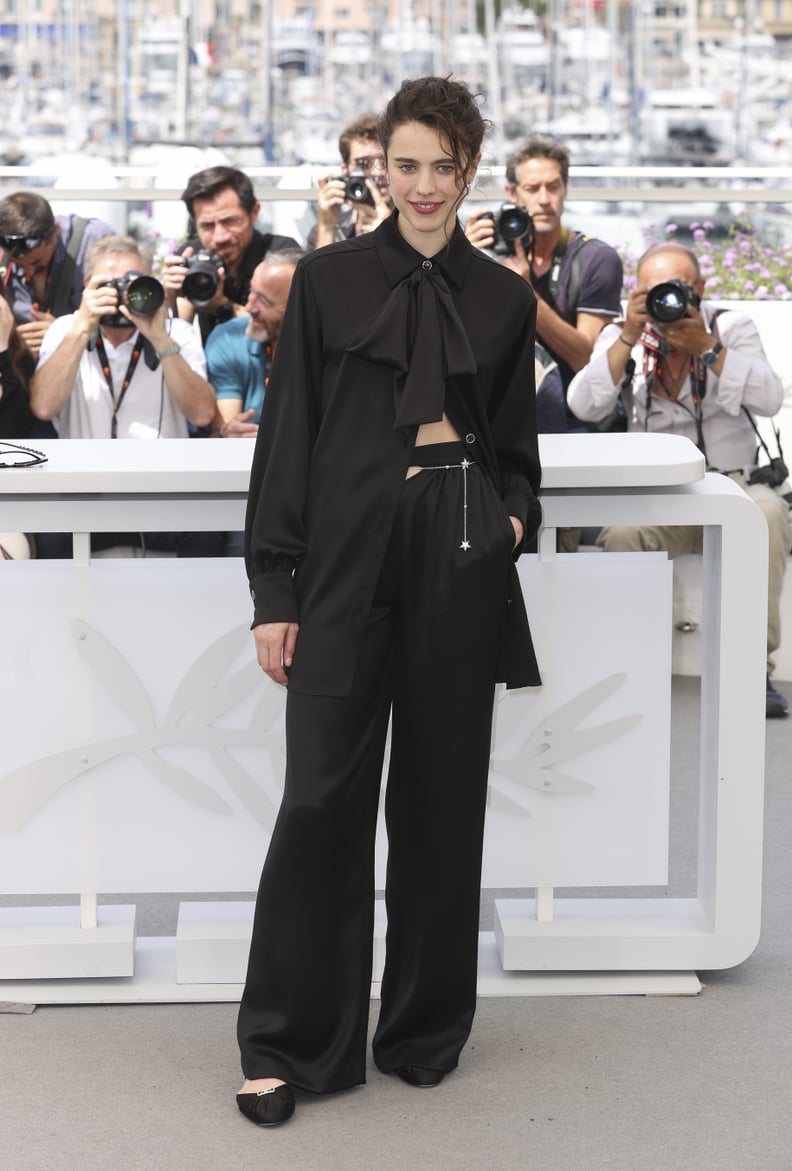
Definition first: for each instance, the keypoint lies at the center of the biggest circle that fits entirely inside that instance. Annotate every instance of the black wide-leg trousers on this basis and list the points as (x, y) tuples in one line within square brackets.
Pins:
[(428, 656)]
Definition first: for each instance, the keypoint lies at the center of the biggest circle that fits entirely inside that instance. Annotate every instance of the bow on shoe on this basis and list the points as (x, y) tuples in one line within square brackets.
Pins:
[(420, 334)]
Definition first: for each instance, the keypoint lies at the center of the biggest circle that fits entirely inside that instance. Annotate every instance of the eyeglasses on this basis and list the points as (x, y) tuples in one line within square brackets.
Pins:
[(19, 246), (368, 162)]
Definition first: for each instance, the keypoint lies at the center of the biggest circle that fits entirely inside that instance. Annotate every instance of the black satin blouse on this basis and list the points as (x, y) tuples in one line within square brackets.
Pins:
[(355, 371)]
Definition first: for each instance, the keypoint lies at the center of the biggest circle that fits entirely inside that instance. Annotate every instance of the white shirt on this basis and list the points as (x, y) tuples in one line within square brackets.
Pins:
[(146, 412), (746, 380)]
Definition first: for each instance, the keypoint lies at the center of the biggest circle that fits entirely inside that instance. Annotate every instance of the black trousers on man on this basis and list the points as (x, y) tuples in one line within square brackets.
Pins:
[(429, 654)]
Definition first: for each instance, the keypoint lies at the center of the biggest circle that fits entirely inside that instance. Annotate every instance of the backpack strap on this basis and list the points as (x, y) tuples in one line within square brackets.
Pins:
[(563, 248), (59, 303)]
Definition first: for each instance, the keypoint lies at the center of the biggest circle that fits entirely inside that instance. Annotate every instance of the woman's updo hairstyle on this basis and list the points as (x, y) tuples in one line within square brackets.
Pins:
[(448, 107)]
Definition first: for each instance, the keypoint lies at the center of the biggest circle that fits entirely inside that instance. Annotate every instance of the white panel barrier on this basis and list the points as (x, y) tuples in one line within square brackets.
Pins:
[(143, 749)]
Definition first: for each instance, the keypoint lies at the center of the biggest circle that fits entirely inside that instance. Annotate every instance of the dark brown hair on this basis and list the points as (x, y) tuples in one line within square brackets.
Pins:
[(209, 183), (366, 127), (25, 213), (449, 107), (539, 147)]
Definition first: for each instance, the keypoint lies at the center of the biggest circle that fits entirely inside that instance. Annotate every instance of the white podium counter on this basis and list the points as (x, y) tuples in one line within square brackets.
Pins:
[(143, 749)]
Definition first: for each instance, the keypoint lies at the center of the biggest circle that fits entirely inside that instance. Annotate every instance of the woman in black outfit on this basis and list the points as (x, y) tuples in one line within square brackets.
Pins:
[(394, 485)]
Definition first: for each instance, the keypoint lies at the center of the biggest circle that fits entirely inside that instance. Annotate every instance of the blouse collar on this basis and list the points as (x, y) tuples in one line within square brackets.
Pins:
[(399, 258)]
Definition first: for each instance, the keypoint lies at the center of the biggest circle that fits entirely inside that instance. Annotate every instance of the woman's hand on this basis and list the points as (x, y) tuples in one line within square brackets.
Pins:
[(275, 643), (519, 531)]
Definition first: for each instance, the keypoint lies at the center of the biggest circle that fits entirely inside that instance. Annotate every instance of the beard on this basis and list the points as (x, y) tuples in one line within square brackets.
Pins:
[(256, 332)]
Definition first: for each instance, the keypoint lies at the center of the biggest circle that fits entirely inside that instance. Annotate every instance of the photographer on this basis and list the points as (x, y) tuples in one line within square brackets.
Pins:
[(98, 378), (42, 259), (107, 372), (577, 280), (683, 369), (357, 200), (223, 206)]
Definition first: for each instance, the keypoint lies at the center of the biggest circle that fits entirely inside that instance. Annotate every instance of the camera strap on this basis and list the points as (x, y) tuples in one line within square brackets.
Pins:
[(573, 284), (762, 444), (652, 356), (101, 353), (61, 288)]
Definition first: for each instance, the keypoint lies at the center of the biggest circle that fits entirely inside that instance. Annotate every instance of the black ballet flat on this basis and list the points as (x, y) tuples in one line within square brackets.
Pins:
[(419, 1075), (268, 1107)]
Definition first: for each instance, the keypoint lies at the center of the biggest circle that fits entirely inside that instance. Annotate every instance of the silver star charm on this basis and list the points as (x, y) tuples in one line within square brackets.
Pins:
[(465, 545), (465, 463)]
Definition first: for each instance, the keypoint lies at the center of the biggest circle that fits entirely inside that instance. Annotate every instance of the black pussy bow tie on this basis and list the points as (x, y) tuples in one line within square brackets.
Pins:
[(419, 333)]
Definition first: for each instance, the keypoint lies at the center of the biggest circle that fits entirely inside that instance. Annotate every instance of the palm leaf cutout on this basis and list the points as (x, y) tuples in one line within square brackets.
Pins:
[(212, 664), (26, 789), (117, 676), (227, 694), (184, 784), (557, 738), (242, 785)]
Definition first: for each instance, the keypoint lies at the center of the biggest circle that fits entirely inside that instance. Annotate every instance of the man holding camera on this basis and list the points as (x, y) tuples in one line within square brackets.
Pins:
[(679, 367), (577, 280), (41, 261), (227, 247), (357, 200), (108, 372)]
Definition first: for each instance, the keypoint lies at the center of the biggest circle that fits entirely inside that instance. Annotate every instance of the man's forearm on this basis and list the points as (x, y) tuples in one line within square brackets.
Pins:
[(52, 383), (191, 393), (325, 233), (560, 337)]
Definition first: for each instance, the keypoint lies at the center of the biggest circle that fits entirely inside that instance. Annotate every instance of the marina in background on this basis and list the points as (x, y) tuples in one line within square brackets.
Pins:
[(90, 87)]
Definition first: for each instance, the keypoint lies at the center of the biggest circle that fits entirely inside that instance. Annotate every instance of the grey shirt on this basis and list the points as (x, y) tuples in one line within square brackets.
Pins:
[(22, 296)]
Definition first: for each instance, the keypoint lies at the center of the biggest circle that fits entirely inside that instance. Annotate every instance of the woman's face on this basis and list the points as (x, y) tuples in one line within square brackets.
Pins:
[(424, 185)]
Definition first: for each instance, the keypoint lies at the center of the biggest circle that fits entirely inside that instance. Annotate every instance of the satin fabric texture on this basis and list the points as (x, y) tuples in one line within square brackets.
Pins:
[(429, 653)]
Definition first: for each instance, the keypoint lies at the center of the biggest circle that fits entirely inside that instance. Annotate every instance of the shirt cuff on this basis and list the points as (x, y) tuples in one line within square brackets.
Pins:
[(528, 510), (274, 599)]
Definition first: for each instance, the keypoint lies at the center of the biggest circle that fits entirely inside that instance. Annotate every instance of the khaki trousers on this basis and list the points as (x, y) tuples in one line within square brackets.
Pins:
[(688, 539)]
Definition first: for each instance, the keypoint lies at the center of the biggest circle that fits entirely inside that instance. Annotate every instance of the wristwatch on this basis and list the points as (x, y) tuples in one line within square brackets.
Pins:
[(169, 351), (710, 357)]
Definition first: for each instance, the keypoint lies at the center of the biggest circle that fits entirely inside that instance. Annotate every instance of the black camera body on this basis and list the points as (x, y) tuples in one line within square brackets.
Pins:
[(201, 282), (355, 189), (511, 223), (773, 474), (669, 301), (137, 292)]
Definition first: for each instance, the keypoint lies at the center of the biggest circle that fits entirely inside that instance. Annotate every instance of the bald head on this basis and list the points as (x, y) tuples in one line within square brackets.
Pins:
[(269, 292), (668, 261)]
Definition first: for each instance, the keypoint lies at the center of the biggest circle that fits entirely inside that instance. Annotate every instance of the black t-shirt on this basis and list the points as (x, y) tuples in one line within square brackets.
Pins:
[(599, 284)]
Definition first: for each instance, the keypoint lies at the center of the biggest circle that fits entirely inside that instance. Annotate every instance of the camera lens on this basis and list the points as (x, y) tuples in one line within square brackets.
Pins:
[(514, 222), (667, 302), (356, 189), (144, 295), (201, 282), (200, 287)]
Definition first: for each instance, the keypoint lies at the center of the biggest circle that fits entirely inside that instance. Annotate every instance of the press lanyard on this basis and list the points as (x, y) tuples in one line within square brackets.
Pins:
[(103, 362), (698, 385), (269, 350)]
